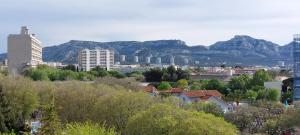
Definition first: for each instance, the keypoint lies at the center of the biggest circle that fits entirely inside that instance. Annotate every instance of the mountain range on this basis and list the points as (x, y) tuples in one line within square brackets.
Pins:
[(239, 50)]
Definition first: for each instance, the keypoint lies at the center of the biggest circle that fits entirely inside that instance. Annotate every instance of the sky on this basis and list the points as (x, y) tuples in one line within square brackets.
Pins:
[(197, 22)]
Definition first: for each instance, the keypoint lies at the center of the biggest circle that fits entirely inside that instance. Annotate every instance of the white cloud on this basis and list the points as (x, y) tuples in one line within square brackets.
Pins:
[(194, 21)]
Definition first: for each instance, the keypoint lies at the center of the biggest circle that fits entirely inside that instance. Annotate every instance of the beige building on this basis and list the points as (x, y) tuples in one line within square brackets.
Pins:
[(23, 50), (89, 59)]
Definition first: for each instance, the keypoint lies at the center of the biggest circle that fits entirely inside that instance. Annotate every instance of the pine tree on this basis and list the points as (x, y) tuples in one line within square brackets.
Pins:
[(50, 121), (4, 111)]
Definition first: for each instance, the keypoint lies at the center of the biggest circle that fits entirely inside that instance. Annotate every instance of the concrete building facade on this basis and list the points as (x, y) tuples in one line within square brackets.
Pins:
[(89, 59), (23, 50)]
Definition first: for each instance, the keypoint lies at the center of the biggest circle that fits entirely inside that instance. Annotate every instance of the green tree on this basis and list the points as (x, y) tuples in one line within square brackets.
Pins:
[(153, 75), (182, 83), (171, 70), (116, 74), (70, 67), (260, 77), (99, 72), (215, 85), (164, 119), (242, 82), (208, 107), (117, 108), (251, 95), (22, 101), (182, 74), (236, 96), (87, 129), (273, 95), (4, 112), (164, 86), (195, 87), (50, 121)]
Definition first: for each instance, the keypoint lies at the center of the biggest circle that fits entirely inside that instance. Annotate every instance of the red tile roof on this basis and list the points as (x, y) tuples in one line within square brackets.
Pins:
[(149, 88), (173, 91), (203, 93), (176, 90)]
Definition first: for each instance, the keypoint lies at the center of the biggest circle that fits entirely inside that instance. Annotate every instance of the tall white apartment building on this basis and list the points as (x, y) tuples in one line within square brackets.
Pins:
[(89, 59), (23, 50)]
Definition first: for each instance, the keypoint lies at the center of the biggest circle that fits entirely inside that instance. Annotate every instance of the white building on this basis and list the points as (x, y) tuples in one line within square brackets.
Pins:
[(89, 59), (172, 61), (123, 58), (158, 60), (23, 50), (148, 60), (136, 59)]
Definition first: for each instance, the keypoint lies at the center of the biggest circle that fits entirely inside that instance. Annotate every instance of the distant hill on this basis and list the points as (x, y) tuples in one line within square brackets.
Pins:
[(240, 50)]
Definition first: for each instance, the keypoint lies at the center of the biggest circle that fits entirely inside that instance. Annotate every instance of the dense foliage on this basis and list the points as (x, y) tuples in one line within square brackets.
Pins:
[(80, 107), (166, 74), (43, 72)]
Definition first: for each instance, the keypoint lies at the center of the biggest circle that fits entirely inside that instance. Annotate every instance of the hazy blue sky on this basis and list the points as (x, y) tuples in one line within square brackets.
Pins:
[(198, 22)]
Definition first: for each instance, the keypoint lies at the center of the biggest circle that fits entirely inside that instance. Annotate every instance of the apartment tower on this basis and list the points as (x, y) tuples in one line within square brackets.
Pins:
[(24, 50), (89, 59)]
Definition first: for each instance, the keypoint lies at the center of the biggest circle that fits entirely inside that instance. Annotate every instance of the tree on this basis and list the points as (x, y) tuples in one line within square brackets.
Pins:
[(236, 96), (182, 83), (117, 108), (208, 107), (181, 74), (99, 72), (171, 70), (164, 86), (4, 112), (215, 85), (22, 102), (50, 121), (252, 119), (153, 75), (70, 67), (116, 74), (241, 83), (87, 129), (260, 77), (165, 119), (251, 95), (273, 95), (195, 87)]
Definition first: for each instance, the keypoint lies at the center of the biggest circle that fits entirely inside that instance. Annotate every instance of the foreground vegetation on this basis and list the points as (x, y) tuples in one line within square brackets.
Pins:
[(98, 109)]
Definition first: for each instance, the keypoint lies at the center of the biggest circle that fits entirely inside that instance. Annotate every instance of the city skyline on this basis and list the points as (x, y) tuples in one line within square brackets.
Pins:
[(195, 22)]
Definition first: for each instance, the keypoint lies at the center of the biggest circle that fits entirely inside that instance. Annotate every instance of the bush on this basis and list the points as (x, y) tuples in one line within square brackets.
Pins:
[(164, 86)]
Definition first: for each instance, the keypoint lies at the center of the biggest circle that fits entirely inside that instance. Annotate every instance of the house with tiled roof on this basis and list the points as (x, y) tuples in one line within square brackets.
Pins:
[(173, 91), (198, 95), (212, 96), (150, 89)]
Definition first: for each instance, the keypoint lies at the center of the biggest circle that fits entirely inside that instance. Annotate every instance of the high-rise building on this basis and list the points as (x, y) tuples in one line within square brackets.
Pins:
[(89, 59), (148, 60), (172, 61), (136, 59), (296, 56), (158, 60), (123, 58), (23, 50), (186, 61)]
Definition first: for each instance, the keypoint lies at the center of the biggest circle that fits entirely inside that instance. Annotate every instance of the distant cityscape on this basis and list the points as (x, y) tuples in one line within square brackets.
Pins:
[(24, 57)]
